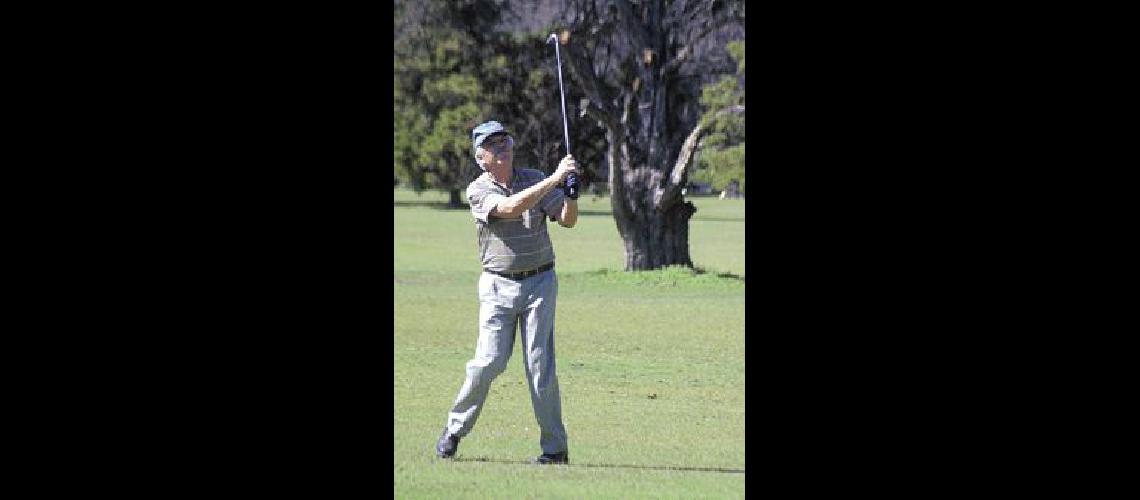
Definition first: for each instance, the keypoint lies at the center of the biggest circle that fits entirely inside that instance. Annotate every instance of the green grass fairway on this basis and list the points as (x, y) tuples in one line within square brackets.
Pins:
[(651, 364)]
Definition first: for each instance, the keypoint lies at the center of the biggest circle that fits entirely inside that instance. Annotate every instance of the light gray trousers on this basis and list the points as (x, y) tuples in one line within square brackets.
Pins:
[(504, 304)]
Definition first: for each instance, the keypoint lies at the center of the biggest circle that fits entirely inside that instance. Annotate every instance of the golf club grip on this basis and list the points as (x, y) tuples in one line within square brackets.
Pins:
[(572, 185)]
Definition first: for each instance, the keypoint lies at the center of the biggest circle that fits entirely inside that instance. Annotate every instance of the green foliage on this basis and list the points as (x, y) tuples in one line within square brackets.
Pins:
[(452, 91), (720, 95), (455, 66), (437, 94), (446, 149), (721, 156), (736, 50), (410, 126), (720, 166)]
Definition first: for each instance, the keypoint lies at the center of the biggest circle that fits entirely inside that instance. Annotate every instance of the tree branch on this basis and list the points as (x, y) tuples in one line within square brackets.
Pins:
[(619, 155), (668, 194), (674, 64), (607, 120), (630, 20), (698, 32), (583, 73)]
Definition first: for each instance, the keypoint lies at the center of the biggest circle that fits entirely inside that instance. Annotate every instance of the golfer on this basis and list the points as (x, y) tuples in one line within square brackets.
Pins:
[(518, 287)]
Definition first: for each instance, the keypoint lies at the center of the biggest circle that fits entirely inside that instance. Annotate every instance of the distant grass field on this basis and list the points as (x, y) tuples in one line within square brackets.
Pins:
[(651, 364)]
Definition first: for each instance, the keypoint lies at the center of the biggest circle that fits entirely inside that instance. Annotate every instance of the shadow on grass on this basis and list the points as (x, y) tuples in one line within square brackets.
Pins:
[(719, 219), (609, 213), (595, 212), (438, 205), (721, 275), (608, 466), (442, 205)]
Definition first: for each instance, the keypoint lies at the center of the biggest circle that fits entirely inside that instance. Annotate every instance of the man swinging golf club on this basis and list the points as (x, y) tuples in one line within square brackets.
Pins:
[(518, 287)]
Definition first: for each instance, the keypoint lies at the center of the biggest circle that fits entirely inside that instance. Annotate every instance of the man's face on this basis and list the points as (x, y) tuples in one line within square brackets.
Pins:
[(499, 149)]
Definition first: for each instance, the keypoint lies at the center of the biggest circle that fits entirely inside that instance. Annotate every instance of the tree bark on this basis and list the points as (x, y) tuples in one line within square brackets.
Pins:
[(653, 237), (656, 239)]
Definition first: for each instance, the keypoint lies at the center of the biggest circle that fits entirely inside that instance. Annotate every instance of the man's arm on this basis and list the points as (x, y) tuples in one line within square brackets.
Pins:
[(524, 200), (569, 215)]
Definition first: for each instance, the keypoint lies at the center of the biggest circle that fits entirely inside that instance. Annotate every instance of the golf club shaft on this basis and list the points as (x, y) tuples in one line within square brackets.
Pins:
[(565, 127), (571, 178)]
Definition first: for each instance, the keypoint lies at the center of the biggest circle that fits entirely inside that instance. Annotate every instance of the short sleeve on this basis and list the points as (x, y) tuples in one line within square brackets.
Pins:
[(482, 201)]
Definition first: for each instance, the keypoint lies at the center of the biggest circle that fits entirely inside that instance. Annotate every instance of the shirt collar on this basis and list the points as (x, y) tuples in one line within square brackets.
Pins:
[(514, 179)]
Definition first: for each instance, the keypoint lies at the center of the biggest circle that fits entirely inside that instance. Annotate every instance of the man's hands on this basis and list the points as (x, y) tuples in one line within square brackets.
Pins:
[(567, 165), (568, 215), (566, 168)]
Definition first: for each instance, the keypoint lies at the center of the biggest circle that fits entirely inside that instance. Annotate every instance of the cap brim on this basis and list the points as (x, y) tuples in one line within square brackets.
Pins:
[(479, 140)]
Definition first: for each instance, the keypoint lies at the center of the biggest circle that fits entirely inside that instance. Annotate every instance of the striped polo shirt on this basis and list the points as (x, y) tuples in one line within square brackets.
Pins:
[(519, 244)]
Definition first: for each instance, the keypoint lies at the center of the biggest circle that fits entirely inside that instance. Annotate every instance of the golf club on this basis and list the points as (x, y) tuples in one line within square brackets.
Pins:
[(571, 178)]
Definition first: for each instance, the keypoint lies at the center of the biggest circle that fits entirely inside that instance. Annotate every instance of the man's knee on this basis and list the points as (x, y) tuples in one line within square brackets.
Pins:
[(487, 368)]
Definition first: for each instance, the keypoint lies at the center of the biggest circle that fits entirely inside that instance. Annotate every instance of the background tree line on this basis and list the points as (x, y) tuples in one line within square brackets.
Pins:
[(654, 96)]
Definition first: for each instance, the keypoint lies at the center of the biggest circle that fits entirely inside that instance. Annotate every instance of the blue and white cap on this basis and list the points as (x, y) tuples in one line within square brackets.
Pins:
[(485, 130)]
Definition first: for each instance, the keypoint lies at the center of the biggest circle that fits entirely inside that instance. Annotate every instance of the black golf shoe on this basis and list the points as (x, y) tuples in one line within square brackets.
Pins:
[(447, 444), (552, 458)]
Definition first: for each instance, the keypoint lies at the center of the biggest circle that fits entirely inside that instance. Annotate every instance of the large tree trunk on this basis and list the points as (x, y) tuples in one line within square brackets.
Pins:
[(654, 240), (454, 201), (654, 235)]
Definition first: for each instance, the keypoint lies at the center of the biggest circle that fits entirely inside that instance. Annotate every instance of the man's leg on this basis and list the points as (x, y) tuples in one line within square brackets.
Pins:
[(497, 320), (537, 327)]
